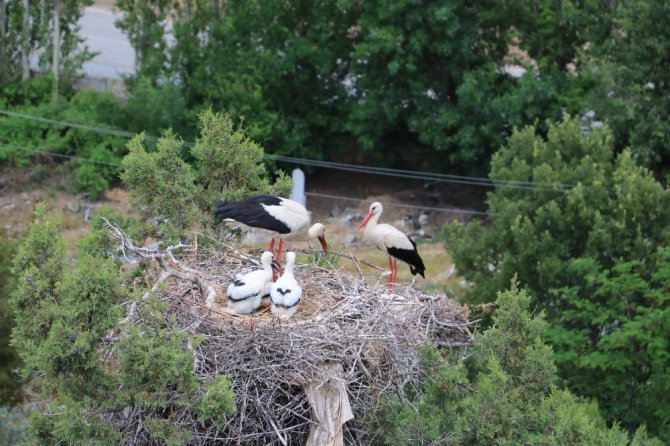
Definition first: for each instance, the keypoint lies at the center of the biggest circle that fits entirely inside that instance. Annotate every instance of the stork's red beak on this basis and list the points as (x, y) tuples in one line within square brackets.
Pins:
[(365, 220), (324, 245)]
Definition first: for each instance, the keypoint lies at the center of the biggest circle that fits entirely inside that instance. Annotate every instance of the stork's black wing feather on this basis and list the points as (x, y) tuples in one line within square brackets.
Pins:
[(409, 256), (251, 212)]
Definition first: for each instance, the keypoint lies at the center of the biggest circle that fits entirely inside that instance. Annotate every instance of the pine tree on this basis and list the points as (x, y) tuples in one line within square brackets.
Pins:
[(505, 393)]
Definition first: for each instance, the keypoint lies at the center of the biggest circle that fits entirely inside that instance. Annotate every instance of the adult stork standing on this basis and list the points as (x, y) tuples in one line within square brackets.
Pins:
[(285, 293), (285, 219), (391, 241)]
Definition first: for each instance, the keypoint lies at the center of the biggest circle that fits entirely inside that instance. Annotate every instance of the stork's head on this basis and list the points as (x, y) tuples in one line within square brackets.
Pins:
[(290, 259), (318, 231), (268, 260), (376, 208)]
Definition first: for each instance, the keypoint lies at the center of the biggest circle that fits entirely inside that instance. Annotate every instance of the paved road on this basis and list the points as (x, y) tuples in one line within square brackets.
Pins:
[(116, 57)]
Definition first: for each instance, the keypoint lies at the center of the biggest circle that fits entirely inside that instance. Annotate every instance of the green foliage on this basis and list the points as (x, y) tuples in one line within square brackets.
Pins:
[(38, 265), (162, 429), (504, 394), (102, 152), (10, 385), (218, 401), (67, 421), (614, 330), (559, 240), (613, 209), (632, 82), (229, 164), (154, 108), (171, 195), (89, 368), (62, 314), (318, 79), (161, 184), (12, 425), (153, 360), (38, 38)]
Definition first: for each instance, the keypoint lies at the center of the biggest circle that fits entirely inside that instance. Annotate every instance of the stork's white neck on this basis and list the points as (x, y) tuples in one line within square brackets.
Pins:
[(290, 264)]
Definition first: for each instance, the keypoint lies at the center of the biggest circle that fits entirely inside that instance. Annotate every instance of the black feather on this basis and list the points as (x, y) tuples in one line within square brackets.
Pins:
[(286, 306), (250, 211), (283, 292), (409, 256), (249, 296), (238, 283)]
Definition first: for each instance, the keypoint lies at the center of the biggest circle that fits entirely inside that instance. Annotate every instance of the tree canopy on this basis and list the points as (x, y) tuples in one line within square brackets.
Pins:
[(588, 240)]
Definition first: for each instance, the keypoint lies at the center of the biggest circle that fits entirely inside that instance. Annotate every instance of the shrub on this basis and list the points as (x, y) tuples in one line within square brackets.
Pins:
[(503, 394), (587, 203)]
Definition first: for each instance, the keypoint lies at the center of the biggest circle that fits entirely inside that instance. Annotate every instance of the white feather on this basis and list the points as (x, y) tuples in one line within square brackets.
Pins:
[(245, 298), (285, 293)]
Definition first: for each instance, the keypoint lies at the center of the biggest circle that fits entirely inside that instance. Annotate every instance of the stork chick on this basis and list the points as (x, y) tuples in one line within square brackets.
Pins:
[(285, 293), (246, 292)]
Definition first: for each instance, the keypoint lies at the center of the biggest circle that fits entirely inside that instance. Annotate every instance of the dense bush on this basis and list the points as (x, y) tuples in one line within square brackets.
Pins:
[(10, 383), (171, 194), (65, 314), (504, 393), (632, 83), (100, 154), (571, 239)]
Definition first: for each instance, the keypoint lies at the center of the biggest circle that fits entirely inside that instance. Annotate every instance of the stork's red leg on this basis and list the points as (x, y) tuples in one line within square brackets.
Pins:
[(281, 244), (272, 245), (394, 273), (391, 279)]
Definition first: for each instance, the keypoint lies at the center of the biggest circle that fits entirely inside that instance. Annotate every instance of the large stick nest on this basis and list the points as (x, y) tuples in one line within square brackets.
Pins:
[(343, 319)]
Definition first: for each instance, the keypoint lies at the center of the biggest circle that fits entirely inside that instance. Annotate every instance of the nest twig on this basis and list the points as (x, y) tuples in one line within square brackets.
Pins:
[(370, 333)]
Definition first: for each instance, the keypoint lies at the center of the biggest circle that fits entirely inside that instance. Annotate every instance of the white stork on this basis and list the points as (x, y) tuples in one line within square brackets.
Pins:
[(246, 292), (285, 219), (391, 241), (285, 293)]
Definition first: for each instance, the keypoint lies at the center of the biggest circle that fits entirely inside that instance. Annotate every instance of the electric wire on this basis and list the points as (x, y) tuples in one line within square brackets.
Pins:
[(313, 194), (398, 173)]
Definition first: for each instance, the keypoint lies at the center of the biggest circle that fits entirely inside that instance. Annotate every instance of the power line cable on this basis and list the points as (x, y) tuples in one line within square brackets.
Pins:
[(398, 173), (398, 205), (59, 155), (313, 194)]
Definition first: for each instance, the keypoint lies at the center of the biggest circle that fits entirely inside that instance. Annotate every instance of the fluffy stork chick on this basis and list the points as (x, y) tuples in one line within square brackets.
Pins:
[(246, 292), (285, 293), (395, 244)]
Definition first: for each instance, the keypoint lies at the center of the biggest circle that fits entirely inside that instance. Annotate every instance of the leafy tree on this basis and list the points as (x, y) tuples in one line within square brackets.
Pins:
[(319, 78), (586, 203), (505, 393), (171, 194), (615, 345), (65, 313), (10, 385), (32, 32), (161, 183), (632, 82), (144, 23)]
